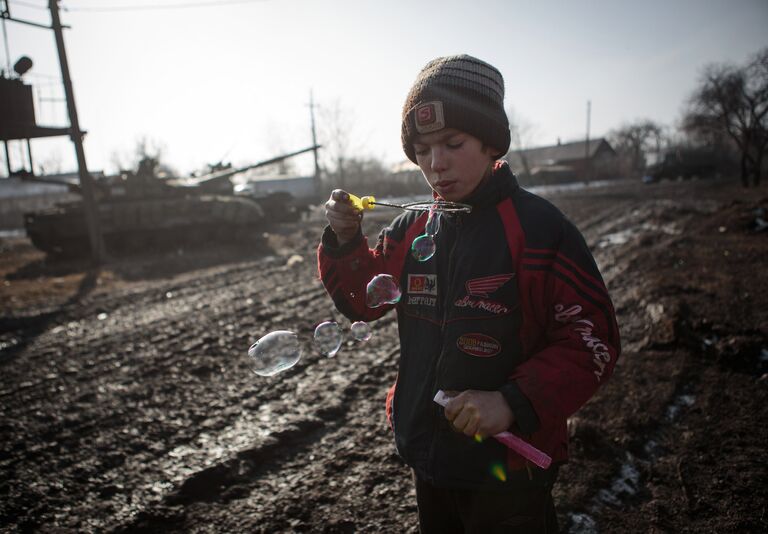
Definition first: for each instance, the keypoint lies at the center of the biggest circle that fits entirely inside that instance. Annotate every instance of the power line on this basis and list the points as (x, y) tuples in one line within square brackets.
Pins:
[(156, 7), (27, 4)]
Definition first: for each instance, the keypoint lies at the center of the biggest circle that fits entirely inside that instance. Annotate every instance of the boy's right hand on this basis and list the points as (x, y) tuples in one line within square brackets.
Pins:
[(343, 217)]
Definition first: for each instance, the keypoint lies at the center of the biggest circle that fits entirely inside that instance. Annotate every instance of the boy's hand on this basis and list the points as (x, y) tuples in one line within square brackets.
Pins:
[(479, 413), (343, 217)]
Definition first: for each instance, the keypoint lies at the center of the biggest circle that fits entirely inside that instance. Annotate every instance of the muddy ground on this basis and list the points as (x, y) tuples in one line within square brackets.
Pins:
[(128, 404)]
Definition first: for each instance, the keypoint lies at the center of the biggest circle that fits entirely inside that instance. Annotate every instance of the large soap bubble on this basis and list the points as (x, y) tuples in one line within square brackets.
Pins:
[(382, 290), (361, 331), (275, 352), (328, 338), (423, 248)]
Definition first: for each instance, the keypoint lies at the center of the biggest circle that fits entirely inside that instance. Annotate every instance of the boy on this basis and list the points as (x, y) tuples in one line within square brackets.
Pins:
[(510, 315)]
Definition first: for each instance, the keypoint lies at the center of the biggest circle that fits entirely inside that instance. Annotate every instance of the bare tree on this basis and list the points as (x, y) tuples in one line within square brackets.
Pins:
[(521, 132), (733, 101), (635, 140), (336, 129)]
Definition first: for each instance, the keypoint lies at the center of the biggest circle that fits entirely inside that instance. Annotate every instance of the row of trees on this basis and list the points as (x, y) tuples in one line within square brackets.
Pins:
[(730, 106), (726, 114)]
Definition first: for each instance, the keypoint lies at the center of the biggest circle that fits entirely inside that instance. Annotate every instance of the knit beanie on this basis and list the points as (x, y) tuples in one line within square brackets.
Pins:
[(459, 92)]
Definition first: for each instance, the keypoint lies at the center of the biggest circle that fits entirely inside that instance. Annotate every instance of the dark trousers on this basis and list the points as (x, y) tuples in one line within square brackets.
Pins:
[(446, 511)]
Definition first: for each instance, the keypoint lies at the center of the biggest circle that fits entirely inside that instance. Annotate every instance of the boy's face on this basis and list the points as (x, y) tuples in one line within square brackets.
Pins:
[(453, 162)]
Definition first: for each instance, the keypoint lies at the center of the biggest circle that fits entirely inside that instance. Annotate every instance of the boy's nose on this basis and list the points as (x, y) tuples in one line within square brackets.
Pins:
[(439, 161)]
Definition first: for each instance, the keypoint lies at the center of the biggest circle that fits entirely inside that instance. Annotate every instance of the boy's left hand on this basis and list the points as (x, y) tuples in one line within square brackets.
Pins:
[(479, 413)]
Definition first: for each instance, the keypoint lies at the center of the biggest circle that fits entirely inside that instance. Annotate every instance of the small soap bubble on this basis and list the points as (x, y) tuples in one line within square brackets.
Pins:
[(433, 223), (328, 338), (423, 248), (275, 352), (361, 331), (382, 290)]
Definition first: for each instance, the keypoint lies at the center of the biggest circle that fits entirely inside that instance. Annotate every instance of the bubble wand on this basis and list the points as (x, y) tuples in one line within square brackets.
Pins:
[(524, 449), (369, 202)]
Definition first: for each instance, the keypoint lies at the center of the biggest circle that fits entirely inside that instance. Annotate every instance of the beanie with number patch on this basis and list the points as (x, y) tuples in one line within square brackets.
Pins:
[(460, 92)]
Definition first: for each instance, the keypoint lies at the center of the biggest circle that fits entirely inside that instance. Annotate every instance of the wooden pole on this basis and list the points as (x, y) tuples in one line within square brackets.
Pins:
[(586, 145), (86, 181), (314, 143)]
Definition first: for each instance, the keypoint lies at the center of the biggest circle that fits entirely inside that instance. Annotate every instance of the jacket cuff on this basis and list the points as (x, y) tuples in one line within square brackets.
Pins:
[(525, 416), (331, 247)]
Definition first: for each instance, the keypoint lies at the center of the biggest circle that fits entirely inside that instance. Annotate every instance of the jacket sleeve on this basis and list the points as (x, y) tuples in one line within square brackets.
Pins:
[(346, 270), (569, 329)]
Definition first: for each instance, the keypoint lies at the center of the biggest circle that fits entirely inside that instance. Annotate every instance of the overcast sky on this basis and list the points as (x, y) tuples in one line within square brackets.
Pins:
[(233, 80)]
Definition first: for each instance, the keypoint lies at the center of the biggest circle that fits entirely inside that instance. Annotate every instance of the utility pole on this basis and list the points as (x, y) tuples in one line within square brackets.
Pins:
[(586, 145), (6, 14), (314, 142), (86, 182)]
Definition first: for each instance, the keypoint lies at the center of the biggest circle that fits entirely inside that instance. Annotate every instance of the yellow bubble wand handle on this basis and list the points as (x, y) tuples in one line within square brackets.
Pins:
[(369, 202), (365, 203)]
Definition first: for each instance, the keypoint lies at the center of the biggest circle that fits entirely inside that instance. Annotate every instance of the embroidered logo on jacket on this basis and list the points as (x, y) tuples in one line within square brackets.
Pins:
[(483, 287), (422, 284), (478, 291), (584, 328), (478, 345), (422, 289)]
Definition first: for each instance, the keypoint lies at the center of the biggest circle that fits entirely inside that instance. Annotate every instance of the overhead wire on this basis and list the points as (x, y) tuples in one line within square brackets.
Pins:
[(28, 4), (156, 7)]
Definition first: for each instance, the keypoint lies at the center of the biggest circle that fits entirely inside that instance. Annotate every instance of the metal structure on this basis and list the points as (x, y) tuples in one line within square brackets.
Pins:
[(21, 125)]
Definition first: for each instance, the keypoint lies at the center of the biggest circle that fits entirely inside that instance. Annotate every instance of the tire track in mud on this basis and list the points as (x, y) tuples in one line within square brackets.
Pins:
[(281, 456), (618, 236), (73, 425), (228, 302), (656, 426), (262, 441)]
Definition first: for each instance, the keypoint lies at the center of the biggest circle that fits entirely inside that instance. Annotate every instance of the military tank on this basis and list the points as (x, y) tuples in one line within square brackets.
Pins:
[(140, 211)]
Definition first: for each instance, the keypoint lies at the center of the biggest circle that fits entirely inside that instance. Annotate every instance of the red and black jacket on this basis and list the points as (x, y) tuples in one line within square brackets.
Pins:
[(512, 300)]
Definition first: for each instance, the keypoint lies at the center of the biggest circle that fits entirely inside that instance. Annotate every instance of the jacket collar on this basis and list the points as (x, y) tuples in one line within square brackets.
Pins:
[(499, 184)]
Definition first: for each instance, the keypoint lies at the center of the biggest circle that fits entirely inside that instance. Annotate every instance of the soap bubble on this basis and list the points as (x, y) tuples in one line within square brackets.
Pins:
[(328, 338), (275, 352), (361, 331), (433, 223), (381, 290), (423, 247)]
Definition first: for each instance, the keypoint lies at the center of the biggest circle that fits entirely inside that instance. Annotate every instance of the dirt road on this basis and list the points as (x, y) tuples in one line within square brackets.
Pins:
[(128, 404)]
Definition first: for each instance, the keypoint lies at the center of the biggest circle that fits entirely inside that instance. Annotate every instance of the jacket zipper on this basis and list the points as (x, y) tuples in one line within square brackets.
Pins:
[(446, 308)]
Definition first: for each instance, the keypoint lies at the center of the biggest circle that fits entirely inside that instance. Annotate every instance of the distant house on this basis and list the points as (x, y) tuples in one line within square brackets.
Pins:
[(406, 173), (564, 162)]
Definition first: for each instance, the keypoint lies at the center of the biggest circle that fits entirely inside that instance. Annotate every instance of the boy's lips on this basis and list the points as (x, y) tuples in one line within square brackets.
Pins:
[(444, 184)]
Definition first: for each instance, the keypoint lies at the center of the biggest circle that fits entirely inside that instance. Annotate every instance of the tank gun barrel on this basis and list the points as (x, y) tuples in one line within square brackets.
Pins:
[(71, 186), (226, 173)]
